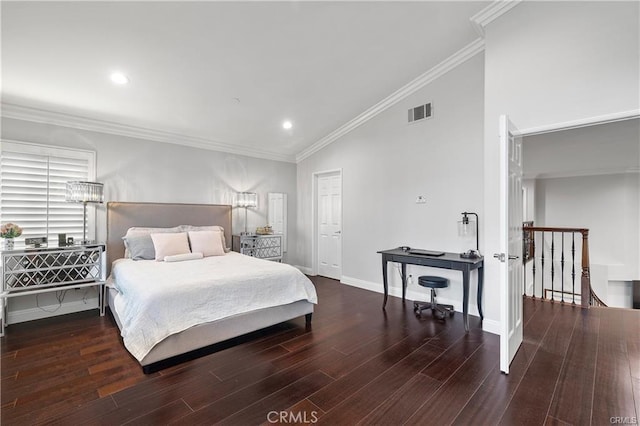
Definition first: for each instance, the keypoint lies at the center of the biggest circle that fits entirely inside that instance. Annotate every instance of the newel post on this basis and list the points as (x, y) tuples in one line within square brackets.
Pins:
[(585, 281)]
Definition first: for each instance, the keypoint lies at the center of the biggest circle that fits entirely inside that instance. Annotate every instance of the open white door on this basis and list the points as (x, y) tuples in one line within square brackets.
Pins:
[(511, 274)]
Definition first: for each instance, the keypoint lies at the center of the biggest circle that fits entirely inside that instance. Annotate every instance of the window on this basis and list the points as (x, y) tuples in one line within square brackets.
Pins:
[(32, 189)]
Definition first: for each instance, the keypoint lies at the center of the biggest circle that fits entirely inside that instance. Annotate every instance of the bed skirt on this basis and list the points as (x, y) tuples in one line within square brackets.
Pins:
[(207, 334)]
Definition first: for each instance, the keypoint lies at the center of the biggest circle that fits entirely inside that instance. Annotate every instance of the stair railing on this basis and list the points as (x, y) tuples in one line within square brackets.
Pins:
[(547, 246)]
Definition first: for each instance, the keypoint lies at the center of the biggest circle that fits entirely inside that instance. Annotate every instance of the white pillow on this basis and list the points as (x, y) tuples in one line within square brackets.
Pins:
[(181, 257), (209, 228), (169, 244), (209, 243)]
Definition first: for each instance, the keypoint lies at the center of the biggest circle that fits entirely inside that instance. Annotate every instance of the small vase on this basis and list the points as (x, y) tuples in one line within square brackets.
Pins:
[(8, 243)]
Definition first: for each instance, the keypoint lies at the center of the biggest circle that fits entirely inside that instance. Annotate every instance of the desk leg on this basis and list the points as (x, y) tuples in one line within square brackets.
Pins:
[(480, 284), (465, 298), (404, 280), (384, 282)]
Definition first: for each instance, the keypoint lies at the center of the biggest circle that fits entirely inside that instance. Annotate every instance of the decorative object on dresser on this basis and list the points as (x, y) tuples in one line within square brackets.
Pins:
[(35, 242), (246, 200), (8, 232), (41, 270), (261, 246), (264, 230), (84, 192)]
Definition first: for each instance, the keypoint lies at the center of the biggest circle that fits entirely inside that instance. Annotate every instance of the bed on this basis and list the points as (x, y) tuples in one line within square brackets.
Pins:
[(249, 306)]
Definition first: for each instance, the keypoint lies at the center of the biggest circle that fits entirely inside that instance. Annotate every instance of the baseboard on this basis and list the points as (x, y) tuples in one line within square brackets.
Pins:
[(23, 315), (491, 326), (411, 294), (305, 270)]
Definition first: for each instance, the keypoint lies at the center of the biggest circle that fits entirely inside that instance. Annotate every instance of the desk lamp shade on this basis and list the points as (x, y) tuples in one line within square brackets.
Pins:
[(467, 228), (84, 192)]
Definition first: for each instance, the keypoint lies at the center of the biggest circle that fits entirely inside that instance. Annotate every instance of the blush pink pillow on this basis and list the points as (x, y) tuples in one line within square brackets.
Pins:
[(209, 243), (170, 244)]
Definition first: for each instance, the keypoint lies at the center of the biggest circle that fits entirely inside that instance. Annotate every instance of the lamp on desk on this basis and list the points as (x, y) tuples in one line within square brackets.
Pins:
[(246, 199), (84, 192), (467, 228)]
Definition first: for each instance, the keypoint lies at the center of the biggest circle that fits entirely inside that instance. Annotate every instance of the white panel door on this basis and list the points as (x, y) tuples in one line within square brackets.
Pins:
[(330, 225), (277, 216), (511, 216)]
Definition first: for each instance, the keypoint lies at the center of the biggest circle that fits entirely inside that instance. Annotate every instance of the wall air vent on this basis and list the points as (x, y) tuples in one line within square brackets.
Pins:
[(420, 112)]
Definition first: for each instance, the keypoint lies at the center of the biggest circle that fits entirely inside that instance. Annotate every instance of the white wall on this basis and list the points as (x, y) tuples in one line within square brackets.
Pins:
[(146, 171), (548, 63), (602, 149), (387, 163), (605, 204)]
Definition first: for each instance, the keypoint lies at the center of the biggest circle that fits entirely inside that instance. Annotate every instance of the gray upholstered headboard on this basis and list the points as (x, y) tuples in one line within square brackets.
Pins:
[(122, 216)]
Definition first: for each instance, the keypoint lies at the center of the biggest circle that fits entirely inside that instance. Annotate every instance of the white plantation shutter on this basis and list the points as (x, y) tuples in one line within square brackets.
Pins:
[(32, 189)]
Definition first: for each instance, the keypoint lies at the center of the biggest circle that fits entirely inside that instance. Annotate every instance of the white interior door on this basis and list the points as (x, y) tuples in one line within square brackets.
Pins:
[(511, 273), (277, 216), (329, 239)]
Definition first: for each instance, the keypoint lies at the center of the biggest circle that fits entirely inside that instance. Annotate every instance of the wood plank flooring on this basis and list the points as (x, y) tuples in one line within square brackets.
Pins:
[(358, 365)]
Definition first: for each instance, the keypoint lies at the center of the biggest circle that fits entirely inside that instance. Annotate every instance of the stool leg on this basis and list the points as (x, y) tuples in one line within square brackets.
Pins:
[(435, 309)]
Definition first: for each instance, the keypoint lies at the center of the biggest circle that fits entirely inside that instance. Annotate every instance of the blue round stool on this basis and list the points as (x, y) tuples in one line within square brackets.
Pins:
[(438, 310)]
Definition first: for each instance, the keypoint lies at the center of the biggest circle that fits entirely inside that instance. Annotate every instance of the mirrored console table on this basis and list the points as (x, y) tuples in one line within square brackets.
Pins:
[(30, 271), (263, 246)]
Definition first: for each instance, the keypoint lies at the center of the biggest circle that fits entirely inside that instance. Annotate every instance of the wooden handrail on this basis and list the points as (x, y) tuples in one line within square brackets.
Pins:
[(585, 280), (554, 229)]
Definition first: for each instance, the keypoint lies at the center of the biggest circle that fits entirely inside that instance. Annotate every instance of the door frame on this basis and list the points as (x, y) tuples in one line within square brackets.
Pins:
[(315, 176), (561, 126)]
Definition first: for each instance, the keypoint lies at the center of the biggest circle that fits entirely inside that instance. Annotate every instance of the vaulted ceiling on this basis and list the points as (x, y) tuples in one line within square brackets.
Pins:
[(224, 75)]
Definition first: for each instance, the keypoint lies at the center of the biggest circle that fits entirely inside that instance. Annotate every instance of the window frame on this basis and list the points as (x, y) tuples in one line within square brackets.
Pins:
[(7, 145)]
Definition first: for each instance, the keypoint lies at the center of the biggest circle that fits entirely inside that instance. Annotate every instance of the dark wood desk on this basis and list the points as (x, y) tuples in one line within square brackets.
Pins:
[(447, 261)]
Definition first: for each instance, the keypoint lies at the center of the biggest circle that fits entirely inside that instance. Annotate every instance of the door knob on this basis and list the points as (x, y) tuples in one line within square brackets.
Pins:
[(503, 257)]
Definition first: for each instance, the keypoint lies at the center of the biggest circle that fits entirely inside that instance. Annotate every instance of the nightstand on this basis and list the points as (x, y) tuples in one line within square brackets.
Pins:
[(29, 271), (262, 246)]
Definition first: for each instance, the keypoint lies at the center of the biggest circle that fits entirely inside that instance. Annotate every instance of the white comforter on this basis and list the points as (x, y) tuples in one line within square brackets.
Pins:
[(158, 299)]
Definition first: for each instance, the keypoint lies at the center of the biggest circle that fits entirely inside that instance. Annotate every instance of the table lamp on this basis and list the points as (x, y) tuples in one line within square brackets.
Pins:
[(246, 199), (466, 228), (84, 192)]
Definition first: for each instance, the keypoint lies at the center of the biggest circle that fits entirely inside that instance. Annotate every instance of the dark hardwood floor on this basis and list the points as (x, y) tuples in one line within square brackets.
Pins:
[(358, 365)]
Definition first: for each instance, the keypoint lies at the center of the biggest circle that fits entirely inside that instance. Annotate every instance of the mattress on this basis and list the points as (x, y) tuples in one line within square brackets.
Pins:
[(155, 300)]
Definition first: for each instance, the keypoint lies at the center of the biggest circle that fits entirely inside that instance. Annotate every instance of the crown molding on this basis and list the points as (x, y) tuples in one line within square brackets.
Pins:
[(487, 15), (437, 71), (583, 122), (36, 115), (583, 173)]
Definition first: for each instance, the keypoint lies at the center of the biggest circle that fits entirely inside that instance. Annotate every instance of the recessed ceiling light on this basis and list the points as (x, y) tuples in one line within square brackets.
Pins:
[(119, 78), (287, 125)]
